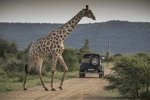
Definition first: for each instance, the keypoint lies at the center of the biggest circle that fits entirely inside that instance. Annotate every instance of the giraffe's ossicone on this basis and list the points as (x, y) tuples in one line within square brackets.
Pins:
[(53, 44)]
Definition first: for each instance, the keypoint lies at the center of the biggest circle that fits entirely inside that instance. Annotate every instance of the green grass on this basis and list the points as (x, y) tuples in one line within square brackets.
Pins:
[(12, 84)]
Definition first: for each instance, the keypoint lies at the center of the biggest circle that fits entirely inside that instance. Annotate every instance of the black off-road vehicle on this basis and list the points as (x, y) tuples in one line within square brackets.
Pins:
[(91, 63)]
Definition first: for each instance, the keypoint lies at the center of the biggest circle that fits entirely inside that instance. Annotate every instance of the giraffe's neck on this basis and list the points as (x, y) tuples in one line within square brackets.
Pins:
[(68, 27)]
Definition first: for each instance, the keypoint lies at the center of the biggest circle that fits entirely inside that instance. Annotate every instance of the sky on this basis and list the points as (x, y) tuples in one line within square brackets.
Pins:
[(60, 11)]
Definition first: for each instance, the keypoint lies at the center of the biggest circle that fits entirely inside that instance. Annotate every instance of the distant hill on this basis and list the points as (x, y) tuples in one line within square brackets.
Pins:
[(124, 36)]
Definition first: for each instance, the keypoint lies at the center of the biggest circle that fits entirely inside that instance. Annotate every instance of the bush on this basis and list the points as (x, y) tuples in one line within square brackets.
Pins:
[(7, 47), (12, 64), (145, 96), (71, 59), (132, 74)]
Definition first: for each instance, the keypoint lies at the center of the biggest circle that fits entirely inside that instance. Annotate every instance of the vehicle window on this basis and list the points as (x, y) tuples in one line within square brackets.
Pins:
[(86, 56)]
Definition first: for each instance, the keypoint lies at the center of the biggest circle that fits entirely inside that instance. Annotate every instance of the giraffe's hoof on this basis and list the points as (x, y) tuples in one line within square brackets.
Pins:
[(60, 88), (46, 89), (53, 89), (25, 89)]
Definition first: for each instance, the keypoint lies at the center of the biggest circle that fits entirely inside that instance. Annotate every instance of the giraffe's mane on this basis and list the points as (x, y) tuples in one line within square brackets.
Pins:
[(70, 19)]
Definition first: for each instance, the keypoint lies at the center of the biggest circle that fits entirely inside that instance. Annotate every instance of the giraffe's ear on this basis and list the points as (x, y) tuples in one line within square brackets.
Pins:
[(87, 7)]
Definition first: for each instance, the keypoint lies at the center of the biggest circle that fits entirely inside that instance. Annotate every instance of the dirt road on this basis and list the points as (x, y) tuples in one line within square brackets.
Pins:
[(90, 88)]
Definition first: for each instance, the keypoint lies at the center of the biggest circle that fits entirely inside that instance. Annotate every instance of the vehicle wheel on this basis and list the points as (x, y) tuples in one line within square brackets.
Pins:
[(101, 75), (81, 75)]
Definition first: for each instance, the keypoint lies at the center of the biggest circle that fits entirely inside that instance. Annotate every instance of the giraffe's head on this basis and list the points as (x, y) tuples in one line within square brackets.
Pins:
[(88, 13)]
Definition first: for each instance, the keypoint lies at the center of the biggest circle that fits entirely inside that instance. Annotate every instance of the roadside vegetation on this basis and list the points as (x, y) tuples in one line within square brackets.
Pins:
[(12, 62), (131, 76)]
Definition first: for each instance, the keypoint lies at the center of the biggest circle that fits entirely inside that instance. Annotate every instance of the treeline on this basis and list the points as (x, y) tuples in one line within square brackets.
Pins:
[(12, 61), (9, 59), (131, 76)]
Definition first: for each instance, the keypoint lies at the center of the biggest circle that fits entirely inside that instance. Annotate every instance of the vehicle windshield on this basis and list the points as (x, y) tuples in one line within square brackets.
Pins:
[(90, 55)]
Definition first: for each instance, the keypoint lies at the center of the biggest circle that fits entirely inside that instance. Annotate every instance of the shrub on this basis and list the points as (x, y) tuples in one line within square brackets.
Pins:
[(7, 47), (12, 64), (71, 59), (132, 74), (145, 96)]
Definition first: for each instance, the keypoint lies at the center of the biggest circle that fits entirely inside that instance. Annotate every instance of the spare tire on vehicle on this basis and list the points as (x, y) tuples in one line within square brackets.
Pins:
[(95, 61)]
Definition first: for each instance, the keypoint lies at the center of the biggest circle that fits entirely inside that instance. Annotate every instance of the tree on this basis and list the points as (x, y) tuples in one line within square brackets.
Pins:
[(132, 74), (146, 69), (86, 46), (71, 59), (12, 48), (83, 50), (7, 47), (3, 47), (108, 54)]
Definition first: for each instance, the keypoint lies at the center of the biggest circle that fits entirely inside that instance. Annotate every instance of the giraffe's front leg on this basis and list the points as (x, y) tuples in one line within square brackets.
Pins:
[(53, 68), (61, 60)]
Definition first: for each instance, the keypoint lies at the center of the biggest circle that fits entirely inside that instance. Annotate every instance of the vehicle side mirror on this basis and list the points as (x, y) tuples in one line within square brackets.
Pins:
[(103, 58)]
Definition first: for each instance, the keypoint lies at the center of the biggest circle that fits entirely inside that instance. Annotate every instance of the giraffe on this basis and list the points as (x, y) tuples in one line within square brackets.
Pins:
[(53, 44)]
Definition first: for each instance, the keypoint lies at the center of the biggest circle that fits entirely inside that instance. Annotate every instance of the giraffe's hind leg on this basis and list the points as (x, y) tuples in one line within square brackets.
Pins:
[(25, 78), (39, 65), (40, 75), (61, 60), (53, 68)]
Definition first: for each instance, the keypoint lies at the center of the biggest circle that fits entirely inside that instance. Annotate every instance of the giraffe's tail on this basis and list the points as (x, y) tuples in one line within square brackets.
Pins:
[(26, 68)]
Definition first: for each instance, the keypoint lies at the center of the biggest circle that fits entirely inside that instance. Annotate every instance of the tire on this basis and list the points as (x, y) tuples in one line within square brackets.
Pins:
[(95, 61), (101, 75), (81, 75), (81, 72), (84, 75)]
